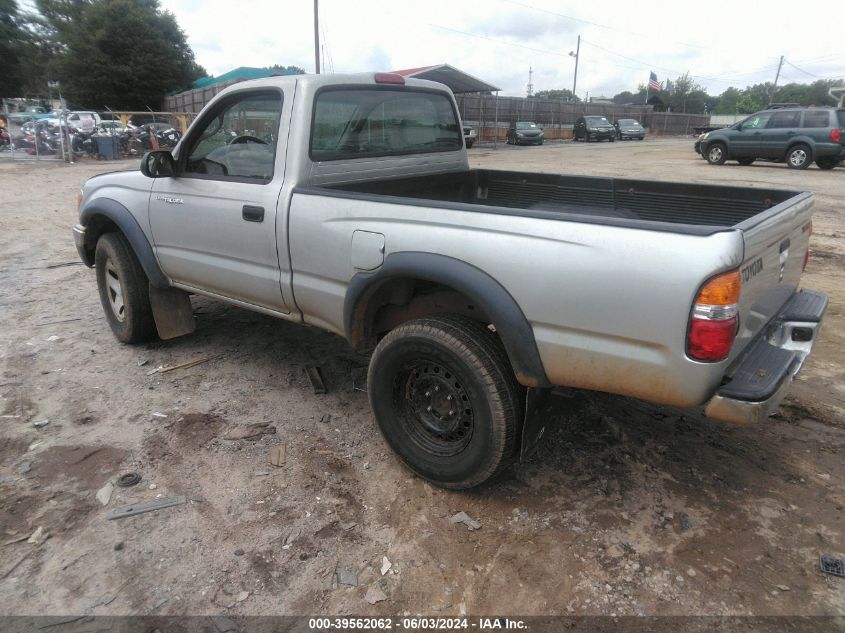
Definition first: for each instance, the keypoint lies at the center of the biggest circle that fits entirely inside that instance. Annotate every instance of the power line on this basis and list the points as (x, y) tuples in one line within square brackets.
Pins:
[(807, 72), (801, 69), (641, 64)]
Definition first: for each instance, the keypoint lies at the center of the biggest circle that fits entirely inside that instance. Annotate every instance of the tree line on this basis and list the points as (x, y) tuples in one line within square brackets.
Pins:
[(122, 54), (690, 97)]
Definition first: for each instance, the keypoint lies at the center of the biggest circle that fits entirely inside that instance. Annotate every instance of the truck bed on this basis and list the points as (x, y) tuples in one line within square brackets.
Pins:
[(677, 207)]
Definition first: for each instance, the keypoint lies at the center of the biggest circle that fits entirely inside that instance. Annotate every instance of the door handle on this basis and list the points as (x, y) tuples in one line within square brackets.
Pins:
[(253, 214)]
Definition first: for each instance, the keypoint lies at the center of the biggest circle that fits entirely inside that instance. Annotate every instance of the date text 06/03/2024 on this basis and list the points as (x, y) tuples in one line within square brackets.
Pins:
[(415, 624)]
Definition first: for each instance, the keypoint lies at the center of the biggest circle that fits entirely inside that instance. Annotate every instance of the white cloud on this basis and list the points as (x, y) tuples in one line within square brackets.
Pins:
[(720, 43)]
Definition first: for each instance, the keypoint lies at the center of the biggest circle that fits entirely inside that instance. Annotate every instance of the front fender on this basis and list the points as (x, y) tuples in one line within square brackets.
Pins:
[(95, 218), (513, 327)]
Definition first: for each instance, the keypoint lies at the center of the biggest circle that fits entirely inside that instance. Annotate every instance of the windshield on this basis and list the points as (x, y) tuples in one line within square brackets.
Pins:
[(597, 120), (382, 122), (628, 122), (525, 125)]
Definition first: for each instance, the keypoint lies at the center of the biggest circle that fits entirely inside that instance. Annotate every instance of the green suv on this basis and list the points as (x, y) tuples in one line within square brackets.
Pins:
[(797, 136)]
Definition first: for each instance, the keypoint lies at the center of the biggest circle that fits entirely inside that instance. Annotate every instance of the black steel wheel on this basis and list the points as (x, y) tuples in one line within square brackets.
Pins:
[(124, 290), (446, 399)]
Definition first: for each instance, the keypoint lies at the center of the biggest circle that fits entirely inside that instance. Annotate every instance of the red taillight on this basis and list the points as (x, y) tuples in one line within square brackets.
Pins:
[(389, 78), (714, 321), (711, 340), (836, 135)]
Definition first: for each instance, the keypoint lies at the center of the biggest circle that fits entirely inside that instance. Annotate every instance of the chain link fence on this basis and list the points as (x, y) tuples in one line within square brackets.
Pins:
[(27, 138)]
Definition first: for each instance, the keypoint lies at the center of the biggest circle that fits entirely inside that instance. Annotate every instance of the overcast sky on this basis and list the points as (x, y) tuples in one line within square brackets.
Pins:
[(719, 43)]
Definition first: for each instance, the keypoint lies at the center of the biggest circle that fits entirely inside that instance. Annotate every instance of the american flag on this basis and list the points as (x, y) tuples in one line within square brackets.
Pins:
[(653, 84)]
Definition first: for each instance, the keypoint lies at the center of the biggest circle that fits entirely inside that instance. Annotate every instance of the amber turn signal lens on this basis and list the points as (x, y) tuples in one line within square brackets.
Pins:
[(721, 290)]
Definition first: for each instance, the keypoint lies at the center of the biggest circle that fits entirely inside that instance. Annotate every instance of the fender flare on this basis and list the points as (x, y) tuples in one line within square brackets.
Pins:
[(126, 222), (511, 324)]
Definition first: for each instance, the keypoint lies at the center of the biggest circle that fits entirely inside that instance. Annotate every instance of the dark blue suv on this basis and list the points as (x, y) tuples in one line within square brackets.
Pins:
[(797, 136)]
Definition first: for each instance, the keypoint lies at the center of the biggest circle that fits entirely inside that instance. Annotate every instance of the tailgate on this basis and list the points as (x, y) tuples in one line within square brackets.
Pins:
[(776, 242)]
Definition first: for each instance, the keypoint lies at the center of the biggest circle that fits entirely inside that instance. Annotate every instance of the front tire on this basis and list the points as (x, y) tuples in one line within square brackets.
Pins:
[(799, 156), (124, 290), (446, 399), (717, 154)]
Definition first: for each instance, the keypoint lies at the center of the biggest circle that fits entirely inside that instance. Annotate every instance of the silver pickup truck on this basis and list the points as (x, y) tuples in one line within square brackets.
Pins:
[(347, 203)]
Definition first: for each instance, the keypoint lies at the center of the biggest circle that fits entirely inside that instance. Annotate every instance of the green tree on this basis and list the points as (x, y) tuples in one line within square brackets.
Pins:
[(288, 70), (562, 94), (626, 96), (125, 54), (727, 101), (750, 103), (13, 44)]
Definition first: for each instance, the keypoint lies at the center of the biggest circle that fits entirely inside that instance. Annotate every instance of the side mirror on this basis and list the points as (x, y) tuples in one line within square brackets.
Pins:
[(158, 164), (739, 127)]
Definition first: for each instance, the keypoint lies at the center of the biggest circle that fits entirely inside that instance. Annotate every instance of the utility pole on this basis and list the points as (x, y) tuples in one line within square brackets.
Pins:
[(576, 55), (529, 89), (777, 76), (316, 37)]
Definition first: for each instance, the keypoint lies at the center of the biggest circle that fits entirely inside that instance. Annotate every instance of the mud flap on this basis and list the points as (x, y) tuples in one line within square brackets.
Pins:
[(172, 312), (533, 425)]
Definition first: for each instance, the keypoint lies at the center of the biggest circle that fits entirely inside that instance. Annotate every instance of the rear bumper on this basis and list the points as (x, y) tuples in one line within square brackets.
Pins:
[(761, 377)]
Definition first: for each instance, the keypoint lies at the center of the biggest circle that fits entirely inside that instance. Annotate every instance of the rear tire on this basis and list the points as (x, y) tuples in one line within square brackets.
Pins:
[(799, 156), (446, 399), (745, 161), (124, 290), (827, 163), (717, 154)]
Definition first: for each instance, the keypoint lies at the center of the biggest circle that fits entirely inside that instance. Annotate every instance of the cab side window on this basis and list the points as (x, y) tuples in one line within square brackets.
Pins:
[(756, 122), (784, 120), (238, 140)]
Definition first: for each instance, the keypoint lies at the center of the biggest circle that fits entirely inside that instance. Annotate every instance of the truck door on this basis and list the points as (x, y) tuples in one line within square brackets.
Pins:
[(746, 139), (782, 126), (214, 222)]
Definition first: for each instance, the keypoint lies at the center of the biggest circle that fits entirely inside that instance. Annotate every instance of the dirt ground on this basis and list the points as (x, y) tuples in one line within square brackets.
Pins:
[(627, 508)]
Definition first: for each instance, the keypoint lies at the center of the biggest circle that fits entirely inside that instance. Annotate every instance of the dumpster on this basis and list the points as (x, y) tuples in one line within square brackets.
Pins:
[(108, 147)]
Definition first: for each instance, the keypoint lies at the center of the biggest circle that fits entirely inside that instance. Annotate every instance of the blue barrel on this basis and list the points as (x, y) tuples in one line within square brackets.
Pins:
[(108, 147)]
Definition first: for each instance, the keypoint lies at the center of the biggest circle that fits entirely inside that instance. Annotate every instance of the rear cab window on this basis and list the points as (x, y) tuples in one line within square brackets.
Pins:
[(371, 122)]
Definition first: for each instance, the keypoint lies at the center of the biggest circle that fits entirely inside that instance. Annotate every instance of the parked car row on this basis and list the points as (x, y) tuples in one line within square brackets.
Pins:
[(586, 128), (797, 136)]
